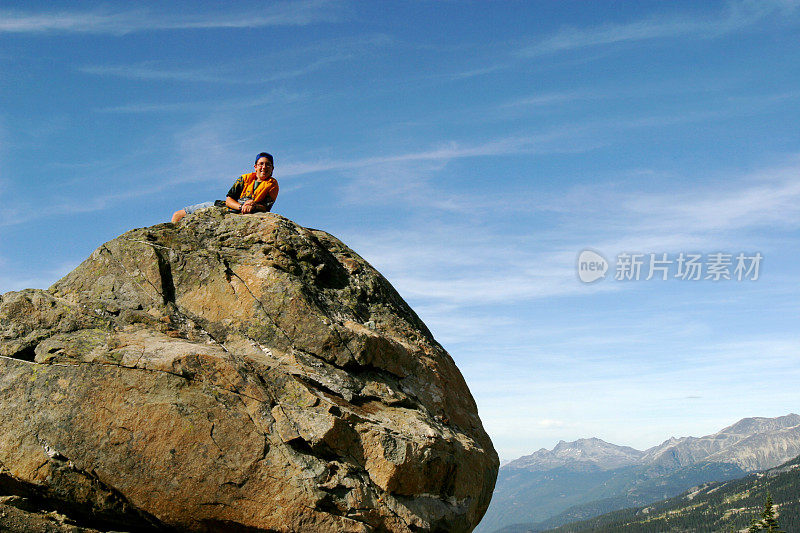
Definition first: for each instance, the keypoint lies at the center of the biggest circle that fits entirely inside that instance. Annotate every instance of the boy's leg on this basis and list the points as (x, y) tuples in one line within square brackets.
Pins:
[(188, 210)]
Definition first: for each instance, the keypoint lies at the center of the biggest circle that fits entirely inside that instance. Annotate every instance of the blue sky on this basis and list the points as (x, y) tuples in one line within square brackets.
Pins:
[(468, 150)]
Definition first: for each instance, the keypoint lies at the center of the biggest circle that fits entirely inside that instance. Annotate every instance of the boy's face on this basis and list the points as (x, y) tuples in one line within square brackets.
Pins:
[(263, 169)]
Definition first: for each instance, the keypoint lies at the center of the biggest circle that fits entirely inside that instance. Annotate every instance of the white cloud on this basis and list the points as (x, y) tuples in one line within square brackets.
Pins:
[(548, 423), (556, 141), (206, 149), (150, 71), (737, 16), (269, 98), (3, 147), (460, 264), (570, 39), (103, 202), (298, 13), (468, 263), (721, 213), (550, 99), (377, 179), (229, 74)]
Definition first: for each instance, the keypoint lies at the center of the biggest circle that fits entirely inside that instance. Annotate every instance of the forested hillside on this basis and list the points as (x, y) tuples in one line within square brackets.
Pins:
[(723, 507)]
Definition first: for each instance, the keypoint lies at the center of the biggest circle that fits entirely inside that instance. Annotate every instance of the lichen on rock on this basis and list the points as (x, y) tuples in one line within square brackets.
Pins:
[(235, 373)]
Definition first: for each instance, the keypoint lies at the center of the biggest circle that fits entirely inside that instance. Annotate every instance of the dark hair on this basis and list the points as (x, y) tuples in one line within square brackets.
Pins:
[(268, 156)]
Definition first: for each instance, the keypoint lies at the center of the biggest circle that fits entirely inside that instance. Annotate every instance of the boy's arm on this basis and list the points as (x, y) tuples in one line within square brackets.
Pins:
[(232, 198), (262, 207), (233, 204)]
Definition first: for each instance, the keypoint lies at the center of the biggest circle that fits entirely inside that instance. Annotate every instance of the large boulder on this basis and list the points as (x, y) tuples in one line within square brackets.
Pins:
[(235, 373)]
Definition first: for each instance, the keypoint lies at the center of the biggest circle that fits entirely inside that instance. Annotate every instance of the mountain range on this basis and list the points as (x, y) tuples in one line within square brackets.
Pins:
[(722, 506), (588, 477)]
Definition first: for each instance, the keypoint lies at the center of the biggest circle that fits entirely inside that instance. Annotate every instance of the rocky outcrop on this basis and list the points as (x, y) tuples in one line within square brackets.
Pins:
[(235, 373)]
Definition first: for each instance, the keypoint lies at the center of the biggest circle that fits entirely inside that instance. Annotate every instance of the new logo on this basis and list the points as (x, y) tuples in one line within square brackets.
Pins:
[(591, 266)]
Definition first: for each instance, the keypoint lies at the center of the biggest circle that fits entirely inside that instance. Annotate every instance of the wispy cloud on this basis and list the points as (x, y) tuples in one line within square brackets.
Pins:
[(269, 98), (715, 88), (478, 71), (298, 13), (768, 198), (549, 99), (523, 144), (458, 264), (250, 71), (571, 39), (231, 74), (736, 16), (150, 71), (2, 151), (550, 423), (17, 216)]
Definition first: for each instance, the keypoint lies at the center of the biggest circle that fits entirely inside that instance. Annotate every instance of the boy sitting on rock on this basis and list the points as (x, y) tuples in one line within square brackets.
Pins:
[(250, 193)]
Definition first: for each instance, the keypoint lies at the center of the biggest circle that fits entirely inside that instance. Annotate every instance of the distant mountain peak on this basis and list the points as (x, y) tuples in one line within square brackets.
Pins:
[(579, 453), (751, 443), (758, 424), (587, 476)]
